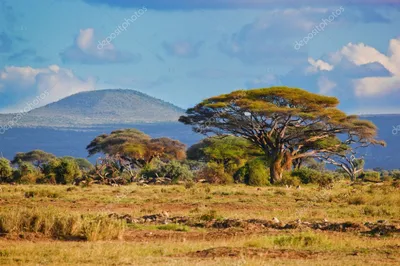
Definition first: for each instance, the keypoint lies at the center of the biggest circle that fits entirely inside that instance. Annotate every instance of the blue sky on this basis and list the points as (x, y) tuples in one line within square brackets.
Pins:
[(185, 51)]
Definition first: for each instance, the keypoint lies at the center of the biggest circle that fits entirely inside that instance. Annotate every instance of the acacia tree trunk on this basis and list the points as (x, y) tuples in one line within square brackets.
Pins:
[(276, 169)]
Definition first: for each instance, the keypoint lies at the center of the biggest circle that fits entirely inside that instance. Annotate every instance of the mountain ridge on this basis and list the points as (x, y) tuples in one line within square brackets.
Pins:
[(110, 106)]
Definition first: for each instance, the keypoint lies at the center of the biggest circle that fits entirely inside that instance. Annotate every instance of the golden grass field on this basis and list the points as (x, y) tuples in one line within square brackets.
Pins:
[(200, 225)]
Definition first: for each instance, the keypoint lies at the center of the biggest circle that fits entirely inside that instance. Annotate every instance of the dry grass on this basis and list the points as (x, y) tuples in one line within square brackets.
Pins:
[(35, 221)]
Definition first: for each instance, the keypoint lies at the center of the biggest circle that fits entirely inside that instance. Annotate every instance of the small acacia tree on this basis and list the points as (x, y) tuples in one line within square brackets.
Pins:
[(286, 123), (131, 148), (37, 157)]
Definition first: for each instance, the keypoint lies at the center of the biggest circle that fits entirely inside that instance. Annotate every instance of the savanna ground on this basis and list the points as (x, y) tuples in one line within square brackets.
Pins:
[(200, 224)]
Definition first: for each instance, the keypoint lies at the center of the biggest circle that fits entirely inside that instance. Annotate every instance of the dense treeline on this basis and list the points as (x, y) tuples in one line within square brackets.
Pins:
[(280, 136)]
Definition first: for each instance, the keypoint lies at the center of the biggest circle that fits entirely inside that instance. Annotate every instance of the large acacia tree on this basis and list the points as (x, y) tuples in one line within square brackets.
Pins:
[(286, 123)]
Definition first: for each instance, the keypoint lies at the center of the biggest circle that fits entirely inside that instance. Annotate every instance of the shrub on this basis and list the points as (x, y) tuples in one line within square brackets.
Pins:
[(215, 174), (6, 170), (307, 175), (357, 200), (395, 174), (61, 171), (176, 171), (149, 171), (371, 176), (241, 174), (210, 215), (258, 174), (26, 174), (289, 180)]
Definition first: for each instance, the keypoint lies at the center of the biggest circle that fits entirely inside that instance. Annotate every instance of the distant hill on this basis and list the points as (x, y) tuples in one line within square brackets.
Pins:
[(388, 130), (102, 107)]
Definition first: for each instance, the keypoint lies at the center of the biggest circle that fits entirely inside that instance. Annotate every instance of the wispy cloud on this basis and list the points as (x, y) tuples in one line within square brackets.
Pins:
[(84, 50)]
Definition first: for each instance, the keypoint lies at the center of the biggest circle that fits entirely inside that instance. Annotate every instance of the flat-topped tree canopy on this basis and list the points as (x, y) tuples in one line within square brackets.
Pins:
[(36, 157), (136, 147), (280, 120)]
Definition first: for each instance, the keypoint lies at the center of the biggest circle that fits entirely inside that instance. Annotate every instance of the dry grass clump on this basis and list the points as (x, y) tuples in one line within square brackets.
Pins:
[(59, 225)]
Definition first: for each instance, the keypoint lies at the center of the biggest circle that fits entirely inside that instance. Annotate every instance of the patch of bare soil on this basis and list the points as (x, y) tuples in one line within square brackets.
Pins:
[(381, 228), (252, 252), (210, 235)]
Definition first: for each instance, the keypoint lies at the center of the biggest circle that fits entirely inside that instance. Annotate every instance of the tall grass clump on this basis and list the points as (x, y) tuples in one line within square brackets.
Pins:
[(302, 240), (59, 225)]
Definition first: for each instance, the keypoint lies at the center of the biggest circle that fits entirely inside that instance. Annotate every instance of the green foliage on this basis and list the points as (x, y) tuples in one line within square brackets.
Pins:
[(6, 170), (370, 176), (62, 171), (136, 147), (289, 180), (229, 151), (36, 157), (395, 174), (241, 174), (83, 164), (279, 120), (176, 171), (215, 174), (26, 173), (258, 173), (308, 175)]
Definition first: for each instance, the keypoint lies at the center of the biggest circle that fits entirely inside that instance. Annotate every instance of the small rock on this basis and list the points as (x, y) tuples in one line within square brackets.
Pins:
[(275, 220), (298, 187)]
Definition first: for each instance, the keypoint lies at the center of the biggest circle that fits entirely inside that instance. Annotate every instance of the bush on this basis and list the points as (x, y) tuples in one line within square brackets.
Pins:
[(289, 180), (149, 171), (258, 174), (26, 174), (6, 170), (215, 174), (357, 200), (176, 171), (395, 174), (241, 174), (371, 176), (307, 176)]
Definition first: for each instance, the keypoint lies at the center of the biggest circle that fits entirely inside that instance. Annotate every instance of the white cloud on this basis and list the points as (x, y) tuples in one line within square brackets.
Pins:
[(87, 50), (362, 77), (27, 83), (318, 65), (360, 55)]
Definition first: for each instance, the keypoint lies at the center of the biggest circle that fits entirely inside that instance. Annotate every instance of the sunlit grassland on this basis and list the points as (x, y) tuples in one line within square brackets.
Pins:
[(60, 225)]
